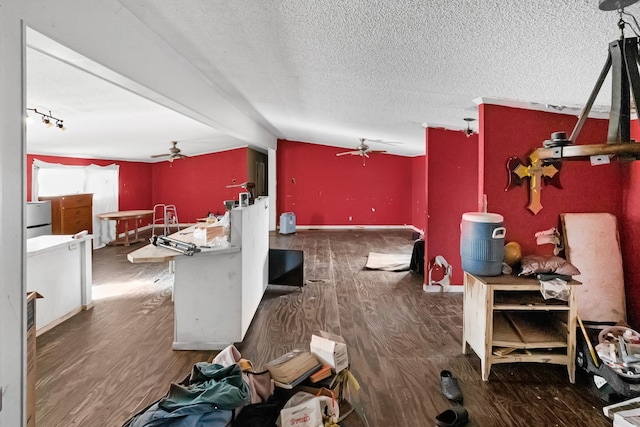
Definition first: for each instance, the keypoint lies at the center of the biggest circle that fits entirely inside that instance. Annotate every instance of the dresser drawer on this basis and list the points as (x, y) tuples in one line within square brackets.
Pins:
[(76, 200), (76, 219)]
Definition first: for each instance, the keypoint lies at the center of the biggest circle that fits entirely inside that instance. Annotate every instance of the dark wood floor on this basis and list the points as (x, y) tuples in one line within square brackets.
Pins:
[(101, 366)]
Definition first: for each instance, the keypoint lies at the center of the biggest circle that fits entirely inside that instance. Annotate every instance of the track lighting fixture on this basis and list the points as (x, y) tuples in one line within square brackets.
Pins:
[(468, 131), (47, 119)]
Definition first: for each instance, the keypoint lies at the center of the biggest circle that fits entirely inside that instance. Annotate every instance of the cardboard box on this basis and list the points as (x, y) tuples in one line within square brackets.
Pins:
[(31, 358), (205, 233), (331, 350)]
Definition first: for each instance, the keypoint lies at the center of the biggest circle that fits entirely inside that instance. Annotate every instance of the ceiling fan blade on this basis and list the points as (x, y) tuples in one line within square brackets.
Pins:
[(382, 141), (174, 153), (376, 151), (354, 153)]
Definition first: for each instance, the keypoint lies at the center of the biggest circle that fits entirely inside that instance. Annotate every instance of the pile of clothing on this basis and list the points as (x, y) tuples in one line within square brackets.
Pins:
[(222, 393)]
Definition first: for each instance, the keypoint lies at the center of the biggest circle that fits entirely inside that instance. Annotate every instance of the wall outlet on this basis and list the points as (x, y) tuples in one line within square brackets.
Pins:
[(350, 218)]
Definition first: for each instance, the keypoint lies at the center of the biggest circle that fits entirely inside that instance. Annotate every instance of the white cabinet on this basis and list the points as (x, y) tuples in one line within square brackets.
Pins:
[(217, 293), (59, 269)]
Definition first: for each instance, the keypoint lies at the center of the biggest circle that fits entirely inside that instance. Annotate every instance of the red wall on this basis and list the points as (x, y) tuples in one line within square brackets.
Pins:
[(452, 182), (629, 230), (197, 185), (135, 179), (418, 193), (506, 132), (322, 189)]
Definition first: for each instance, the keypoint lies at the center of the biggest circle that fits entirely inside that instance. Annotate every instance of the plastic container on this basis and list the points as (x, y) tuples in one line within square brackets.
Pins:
[(482, 243), (287, 223)]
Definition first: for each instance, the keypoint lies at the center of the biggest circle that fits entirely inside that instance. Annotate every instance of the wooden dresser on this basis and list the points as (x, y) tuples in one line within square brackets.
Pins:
[(71, 214), (506, 320)]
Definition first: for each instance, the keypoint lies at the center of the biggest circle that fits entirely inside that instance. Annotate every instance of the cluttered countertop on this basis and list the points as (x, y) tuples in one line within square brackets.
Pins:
[(157, 253)]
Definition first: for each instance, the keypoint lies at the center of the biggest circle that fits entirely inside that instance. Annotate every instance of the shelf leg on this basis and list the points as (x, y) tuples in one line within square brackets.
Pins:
[(486, 369), (571, 368)]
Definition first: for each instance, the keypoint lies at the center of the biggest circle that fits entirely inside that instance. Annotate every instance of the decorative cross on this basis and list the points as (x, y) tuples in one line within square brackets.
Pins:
[(537, 172)]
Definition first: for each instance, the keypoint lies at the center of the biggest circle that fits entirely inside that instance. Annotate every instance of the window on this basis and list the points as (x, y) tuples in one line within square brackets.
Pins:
[(54, 179)]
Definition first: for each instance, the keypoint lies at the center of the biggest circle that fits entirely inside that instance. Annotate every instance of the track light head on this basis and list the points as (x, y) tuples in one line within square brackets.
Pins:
[(47, 119)]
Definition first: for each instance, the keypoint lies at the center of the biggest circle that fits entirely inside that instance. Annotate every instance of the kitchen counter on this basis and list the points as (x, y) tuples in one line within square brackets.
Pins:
[(217, 291), (59, 268), (40, 244)]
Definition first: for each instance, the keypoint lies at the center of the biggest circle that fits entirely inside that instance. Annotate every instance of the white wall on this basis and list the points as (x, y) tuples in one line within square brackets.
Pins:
[(12, 190), (127, 53), (273, 190)]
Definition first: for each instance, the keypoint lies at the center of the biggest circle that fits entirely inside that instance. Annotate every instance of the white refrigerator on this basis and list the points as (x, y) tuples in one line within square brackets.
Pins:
[(38, 219)]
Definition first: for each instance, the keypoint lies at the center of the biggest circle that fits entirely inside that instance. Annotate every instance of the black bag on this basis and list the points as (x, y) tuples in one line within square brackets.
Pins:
[(262, 414), (605, 382)]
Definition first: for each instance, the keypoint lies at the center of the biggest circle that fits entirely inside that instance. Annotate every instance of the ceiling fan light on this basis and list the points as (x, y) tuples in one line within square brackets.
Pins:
[(468, 131), (615, 4)]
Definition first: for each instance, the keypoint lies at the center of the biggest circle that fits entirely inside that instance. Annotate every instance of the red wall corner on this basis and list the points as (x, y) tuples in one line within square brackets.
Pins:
[(451, 177)]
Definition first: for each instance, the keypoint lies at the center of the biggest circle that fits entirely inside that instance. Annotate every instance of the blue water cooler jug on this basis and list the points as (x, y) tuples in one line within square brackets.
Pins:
[(482, 243)]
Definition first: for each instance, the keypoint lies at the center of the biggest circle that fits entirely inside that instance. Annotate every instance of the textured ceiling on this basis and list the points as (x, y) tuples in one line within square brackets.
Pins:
[(332, 71)]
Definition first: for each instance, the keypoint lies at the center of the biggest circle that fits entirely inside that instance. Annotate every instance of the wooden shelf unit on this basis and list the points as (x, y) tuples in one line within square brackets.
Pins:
[(507, 320), (71, 213)]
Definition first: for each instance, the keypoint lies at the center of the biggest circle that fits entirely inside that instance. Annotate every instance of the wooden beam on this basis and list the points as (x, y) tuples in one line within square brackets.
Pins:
[(627, 149)]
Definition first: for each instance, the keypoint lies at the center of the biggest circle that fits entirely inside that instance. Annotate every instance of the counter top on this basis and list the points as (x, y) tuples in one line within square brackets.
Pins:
[(151, 253), (40, 244)]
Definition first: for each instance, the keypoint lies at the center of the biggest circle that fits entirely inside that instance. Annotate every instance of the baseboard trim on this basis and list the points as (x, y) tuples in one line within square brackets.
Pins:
[(57, 321), (353, 227), (442, 288), (199, 346)]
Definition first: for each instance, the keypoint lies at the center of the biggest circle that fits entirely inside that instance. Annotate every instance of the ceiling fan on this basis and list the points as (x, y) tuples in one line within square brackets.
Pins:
[(174, 153), (364, 150)]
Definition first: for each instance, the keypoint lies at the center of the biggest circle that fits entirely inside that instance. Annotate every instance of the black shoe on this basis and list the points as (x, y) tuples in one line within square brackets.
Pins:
[(455, 417), (449, 386)]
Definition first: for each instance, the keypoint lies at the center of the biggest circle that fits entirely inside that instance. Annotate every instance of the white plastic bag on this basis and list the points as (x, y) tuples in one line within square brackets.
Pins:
[(555, 288), (306, 414), (306, 410)]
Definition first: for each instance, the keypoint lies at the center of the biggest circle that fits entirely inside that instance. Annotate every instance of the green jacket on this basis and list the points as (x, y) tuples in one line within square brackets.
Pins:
[(208, 383)]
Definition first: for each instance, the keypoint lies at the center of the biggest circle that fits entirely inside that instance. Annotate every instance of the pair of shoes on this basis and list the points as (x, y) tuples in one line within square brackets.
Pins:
[(455, 417), (449, 386)]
